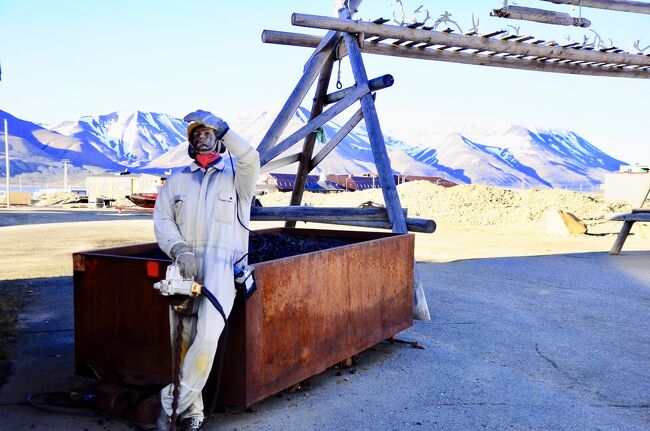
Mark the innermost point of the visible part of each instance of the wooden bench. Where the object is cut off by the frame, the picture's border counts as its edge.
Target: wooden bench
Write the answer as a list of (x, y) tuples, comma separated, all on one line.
[(637, 214)]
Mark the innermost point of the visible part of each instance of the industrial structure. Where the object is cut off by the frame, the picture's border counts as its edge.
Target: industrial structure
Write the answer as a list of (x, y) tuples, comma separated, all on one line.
[(318, 307), (120, 185)]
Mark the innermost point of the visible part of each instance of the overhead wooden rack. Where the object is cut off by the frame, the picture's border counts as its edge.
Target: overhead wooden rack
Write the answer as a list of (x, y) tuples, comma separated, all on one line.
[(491, 49), (347, 37)]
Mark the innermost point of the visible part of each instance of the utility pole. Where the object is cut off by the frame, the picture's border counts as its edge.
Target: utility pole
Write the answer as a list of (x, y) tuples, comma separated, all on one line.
[(65, 174), (7, 161)]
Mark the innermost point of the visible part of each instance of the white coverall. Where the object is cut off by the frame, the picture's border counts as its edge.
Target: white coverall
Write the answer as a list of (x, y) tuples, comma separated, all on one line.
[(205, 209)]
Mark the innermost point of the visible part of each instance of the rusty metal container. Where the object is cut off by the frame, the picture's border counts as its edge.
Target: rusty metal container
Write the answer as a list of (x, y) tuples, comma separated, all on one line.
[(310, 311)]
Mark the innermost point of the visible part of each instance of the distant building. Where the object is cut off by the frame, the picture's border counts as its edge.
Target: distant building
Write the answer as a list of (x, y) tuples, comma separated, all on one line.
[(16, 198), (630, 183), (342, 182), (371, 181), (435, 180), (354, 182), (114, 186), (286, 183)]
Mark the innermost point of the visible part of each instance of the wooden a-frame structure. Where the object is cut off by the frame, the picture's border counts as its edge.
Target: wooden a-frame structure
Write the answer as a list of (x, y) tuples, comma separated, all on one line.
[(320, 65), (347, 37)]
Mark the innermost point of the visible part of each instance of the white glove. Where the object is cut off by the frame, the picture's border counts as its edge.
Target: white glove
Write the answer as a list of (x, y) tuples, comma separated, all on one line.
[(206, 118), (185, 260)]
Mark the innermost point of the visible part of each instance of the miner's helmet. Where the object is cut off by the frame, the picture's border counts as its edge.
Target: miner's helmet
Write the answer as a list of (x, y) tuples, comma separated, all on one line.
[(191, 151)]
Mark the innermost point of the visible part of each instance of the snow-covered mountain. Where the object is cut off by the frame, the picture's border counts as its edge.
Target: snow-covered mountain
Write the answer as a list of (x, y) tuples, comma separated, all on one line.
[(505, 155), (515, 156), (37, 152), (129, 138)]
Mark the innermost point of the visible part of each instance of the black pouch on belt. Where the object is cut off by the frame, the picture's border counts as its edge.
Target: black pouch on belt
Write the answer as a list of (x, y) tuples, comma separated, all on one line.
[(244, 281)]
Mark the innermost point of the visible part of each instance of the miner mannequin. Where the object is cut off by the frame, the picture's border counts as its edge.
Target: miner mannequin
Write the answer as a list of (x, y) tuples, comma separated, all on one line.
[(200, 220)]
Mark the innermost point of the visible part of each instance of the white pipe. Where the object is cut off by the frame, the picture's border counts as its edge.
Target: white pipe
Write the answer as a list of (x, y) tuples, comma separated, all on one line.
[(7, 160)]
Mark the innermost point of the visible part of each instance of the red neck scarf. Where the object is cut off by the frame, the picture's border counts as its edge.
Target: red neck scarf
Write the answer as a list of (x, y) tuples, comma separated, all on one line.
[(206, 160)]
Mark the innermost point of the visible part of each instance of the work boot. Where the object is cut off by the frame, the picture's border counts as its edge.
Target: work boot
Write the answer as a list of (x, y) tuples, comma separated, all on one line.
[(193, 423), (164, 422)]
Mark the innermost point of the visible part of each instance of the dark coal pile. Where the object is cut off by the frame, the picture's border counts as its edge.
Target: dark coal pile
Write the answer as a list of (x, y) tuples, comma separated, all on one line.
[(157, 254), (263, 247), (270, 246)]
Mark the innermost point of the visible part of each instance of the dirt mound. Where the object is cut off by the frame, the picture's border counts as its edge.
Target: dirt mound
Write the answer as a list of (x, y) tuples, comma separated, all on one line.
[(475, 205), (56, 199)]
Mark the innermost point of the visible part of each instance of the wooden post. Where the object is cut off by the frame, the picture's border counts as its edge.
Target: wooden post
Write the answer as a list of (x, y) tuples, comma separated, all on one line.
[(310, 140), (376, 137), (621, 237)]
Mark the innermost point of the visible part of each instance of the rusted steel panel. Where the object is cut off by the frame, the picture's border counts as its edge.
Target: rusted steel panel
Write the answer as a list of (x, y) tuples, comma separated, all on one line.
[(121, 324), (317, 309), (310, 312)]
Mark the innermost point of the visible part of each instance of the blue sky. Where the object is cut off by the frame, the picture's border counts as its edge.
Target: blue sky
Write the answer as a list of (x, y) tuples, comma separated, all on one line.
[(65, 59)]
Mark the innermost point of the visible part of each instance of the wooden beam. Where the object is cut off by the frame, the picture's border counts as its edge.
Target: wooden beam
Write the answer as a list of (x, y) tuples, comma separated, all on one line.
[(314, 124), (278, 163), (376, 84), (465, 42), (338, 137), (412, 224), (617, 5), (310, 139), (376, 137), (539, 15), (295, 99), (320, 214), (365, 217), (589, 68)]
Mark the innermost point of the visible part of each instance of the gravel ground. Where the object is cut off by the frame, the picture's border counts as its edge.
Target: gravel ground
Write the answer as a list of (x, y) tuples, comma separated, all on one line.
[(529, 331)]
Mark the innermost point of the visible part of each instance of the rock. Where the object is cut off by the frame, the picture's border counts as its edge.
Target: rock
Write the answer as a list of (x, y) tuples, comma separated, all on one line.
[(560, 222)]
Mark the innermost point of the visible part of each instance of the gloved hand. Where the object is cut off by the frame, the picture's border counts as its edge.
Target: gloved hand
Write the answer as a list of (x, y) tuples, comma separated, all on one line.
[(206, 118), (185, 260)]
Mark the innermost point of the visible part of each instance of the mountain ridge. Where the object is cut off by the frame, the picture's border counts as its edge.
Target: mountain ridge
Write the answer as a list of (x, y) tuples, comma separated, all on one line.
[(500, 155)]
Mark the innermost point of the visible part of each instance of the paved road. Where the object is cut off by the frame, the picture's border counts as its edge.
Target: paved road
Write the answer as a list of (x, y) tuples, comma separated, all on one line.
[(558, 342), (39, 215)]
